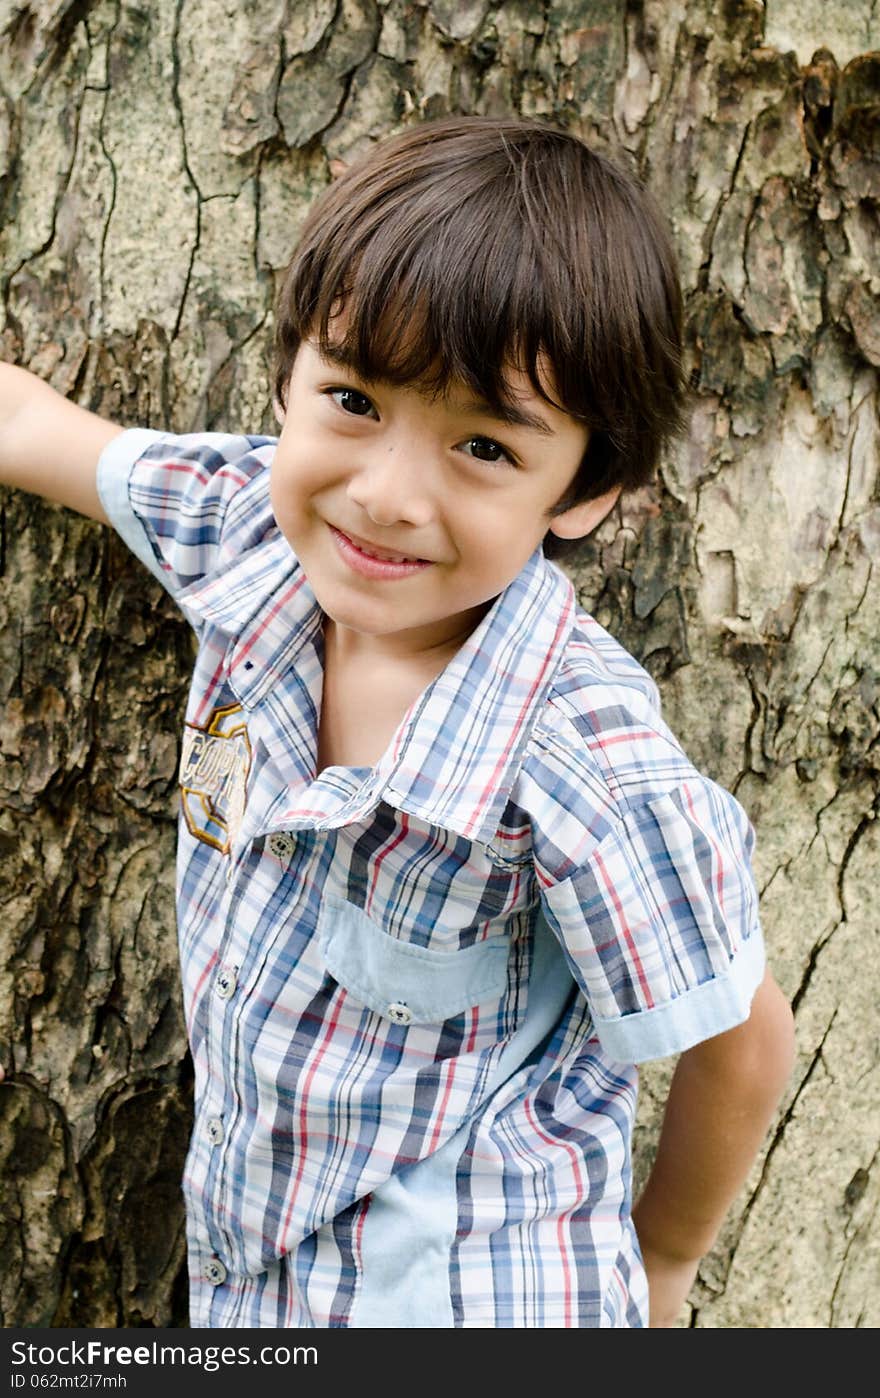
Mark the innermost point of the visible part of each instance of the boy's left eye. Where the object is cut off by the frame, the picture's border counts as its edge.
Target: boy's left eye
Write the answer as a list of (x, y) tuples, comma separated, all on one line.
[(485, 449), (358, 404)]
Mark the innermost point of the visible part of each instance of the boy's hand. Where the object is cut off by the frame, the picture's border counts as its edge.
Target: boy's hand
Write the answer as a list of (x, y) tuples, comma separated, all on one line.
[(669, 1284), (48, 445)]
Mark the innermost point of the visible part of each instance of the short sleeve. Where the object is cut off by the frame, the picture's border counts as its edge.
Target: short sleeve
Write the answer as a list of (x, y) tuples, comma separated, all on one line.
[(186, 504), (660, 923)]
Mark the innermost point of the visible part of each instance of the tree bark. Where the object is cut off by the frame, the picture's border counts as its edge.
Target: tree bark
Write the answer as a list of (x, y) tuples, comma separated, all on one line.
[(155, 164)]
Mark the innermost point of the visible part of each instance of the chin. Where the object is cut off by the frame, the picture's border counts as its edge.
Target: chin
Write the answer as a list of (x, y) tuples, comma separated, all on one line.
[(362, 619)]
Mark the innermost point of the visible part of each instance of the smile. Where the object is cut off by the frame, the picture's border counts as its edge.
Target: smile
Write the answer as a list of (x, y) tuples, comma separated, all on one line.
[(373, 562)]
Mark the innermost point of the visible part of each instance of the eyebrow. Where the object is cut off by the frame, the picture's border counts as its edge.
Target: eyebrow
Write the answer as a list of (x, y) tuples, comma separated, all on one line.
[(508, 413)]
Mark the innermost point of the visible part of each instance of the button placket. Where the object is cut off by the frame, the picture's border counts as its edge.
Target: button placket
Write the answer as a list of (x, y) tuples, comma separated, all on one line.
[(213, 1129)]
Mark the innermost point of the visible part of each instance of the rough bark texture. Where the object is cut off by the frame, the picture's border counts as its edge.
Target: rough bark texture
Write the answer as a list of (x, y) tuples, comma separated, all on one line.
[(156, 162)]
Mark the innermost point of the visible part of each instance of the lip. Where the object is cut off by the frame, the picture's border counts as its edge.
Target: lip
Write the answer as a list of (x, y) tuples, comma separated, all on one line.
[(354, 551)]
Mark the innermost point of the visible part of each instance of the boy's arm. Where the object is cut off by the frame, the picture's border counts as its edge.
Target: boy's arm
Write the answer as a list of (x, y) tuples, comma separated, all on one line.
[(723, 1096), (48, 445)]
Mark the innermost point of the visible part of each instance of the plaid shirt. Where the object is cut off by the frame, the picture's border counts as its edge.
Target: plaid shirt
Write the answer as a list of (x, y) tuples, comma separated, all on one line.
[(415, 993)]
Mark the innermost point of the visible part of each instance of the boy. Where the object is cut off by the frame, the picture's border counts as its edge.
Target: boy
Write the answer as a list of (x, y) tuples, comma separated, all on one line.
[(444, 875)]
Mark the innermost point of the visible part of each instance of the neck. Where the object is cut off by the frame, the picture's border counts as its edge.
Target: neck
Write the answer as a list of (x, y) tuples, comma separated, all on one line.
[(429, 649)]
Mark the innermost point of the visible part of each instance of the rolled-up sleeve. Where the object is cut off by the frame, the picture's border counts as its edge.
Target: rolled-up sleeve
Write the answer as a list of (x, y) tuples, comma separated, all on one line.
[(175, 500), (660, 922)]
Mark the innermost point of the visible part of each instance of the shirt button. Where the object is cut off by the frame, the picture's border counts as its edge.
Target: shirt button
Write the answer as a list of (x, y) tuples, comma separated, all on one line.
[(401, 1014), (281, 845), (214, 1130), (226, 982), (214, 1271)]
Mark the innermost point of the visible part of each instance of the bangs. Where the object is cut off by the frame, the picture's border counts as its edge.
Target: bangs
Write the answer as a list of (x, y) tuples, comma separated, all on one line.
[(428, 300), (411, 338)]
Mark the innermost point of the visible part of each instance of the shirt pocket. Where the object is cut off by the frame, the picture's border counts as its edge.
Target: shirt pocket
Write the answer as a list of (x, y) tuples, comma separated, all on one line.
[(408, 984)]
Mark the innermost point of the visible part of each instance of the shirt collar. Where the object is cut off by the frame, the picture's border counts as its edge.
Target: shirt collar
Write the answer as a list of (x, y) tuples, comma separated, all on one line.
[(455, 757), (263, 602)]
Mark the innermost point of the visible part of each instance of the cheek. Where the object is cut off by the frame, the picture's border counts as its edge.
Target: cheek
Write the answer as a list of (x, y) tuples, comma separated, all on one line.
[(289, 481), (284, 496), (509, 529), (277, 483)]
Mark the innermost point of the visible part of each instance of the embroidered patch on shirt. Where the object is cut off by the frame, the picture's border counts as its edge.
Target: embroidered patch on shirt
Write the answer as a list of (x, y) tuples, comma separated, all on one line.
[(214, 769)]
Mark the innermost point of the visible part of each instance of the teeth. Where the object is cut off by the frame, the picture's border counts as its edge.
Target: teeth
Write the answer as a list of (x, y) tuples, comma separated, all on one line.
[(388, 557), (385, 557)]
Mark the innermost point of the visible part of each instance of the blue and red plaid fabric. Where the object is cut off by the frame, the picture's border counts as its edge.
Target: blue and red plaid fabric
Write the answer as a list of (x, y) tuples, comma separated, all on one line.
[(416, 993)]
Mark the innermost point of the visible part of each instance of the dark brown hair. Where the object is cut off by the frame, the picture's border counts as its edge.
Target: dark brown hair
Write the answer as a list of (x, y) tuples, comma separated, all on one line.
[(465, 246)]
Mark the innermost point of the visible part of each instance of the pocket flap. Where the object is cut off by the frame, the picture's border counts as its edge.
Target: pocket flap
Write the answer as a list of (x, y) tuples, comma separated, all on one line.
[(406, 983)]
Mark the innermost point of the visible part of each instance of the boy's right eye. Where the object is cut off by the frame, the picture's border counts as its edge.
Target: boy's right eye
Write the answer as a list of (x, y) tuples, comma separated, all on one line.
[(358, 404)]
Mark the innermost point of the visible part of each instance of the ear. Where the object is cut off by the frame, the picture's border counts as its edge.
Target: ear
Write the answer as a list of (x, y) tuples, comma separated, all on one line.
[(581, 519), (278, 409)]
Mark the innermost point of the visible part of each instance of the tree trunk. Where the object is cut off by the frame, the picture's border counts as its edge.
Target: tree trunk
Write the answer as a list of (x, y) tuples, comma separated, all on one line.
[(158, 162)]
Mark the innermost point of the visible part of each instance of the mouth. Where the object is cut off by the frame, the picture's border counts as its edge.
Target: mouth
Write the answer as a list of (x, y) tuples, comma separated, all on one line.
[(370, 550), (370, 561)]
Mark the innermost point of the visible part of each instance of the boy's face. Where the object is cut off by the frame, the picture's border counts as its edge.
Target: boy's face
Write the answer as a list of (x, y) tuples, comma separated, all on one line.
[(410, 515)]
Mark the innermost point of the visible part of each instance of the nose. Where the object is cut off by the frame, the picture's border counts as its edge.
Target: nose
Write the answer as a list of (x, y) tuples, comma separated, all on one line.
[(392, 486)]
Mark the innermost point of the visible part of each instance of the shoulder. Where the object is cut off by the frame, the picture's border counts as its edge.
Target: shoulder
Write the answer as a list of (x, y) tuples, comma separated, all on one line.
[(188, 503), (599, 749), (212, 466), (603, 712), (202, 453), (191, 473)]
